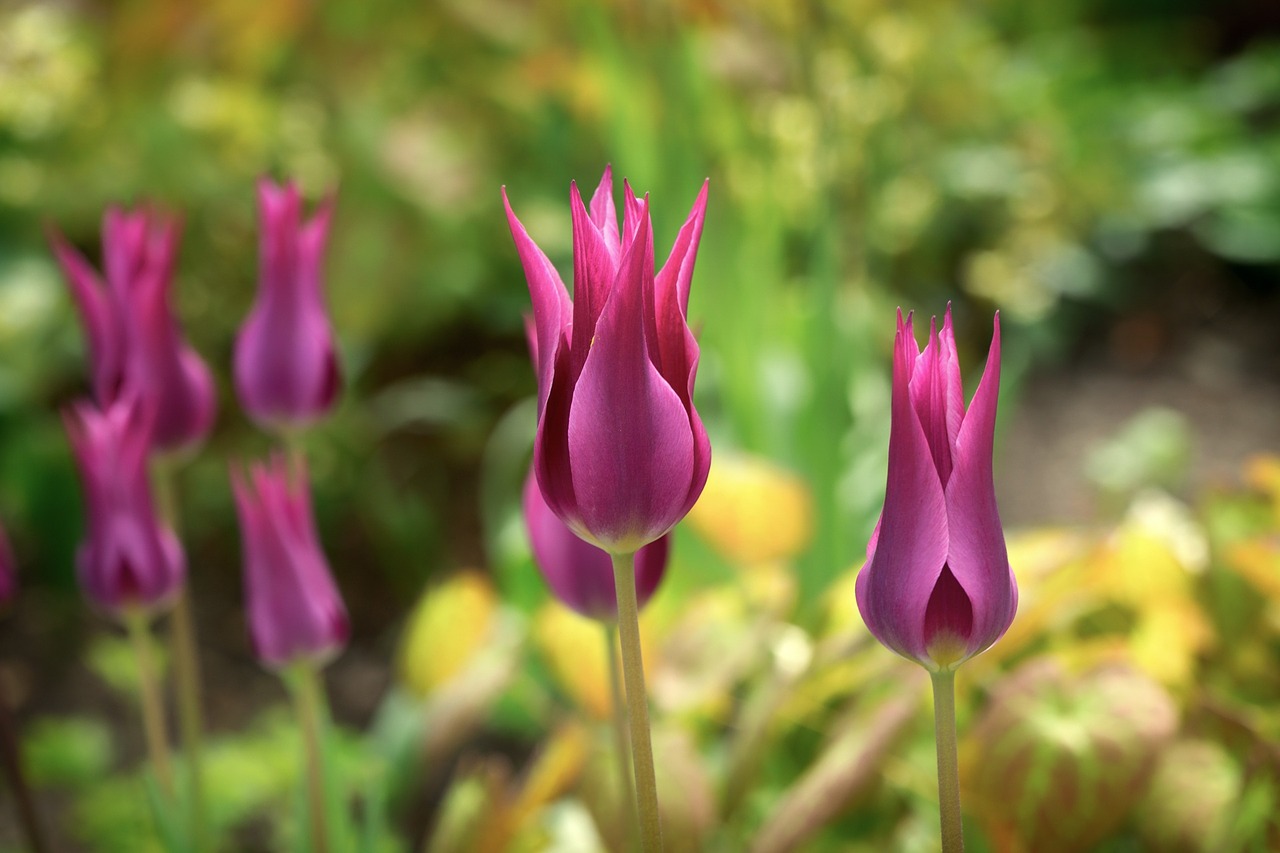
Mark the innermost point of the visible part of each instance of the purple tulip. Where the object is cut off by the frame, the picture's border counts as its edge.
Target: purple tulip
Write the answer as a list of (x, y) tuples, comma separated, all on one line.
[(937, 587), (129, 560), (135, 344), (8, 570), (295, 611), (621, 454), (285, 364), (579, 573)]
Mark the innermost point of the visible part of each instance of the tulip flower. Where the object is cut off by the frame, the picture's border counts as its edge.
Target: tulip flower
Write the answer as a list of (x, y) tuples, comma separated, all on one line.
[(129, 561), (295, 611), (135, 344), (620, 454), (579, 573), (937, 587), (8, 570), (285, 362)]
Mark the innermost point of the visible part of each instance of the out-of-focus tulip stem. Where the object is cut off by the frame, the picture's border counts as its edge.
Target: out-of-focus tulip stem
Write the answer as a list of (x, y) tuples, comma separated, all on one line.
[(186, 658), (11, 757), (303, 680), (944, 715), (149, 698), (627, 786), (637, 703)]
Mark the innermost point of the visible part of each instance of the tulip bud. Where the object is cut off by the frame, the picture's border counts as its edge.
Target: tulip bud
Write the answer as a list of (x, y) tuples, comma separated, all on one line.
[(285, 362), (937, 587), (8, 570), (135, 344), (129, 560), (295, 611), (579, 573), (620, 454)]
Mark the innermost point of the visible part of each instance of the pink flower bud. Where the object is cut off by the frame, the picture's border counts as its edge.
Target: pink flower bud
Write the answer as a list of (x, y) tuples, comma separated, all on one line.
[(285, 363), (621, 454), (295, 611), (8, 570), (937, 587), (135, 343), (579, 573), (129, 560)]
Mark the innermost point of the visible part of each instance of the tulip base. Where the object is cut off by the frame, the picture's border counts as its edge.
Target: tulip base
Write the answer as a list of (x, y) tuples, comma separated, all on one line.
[(624, 578), (944, 716)]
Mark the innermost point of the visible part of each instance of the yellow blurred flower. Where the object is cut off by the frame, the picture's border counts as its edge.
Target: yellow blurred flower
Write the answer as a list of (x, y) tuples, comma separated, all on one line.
[(449, 625), (573, 647), (753, 511)]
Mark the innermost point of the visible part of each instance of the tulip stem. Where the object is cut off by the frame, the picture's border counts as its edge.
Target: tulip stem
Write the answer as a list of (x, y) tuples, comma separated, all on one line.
[(16, 777), (944, 716), (624, 578), (149, 698), (186, 659), (622, 747), (308, 697)]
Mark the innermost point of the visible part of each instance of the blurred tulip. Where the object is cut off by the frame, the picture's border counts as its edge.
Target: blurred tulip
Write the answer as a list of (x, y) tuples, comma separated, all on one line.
[(129, 561), (135, 343), (579, 573), (295, 611), (285, 362), (937, 587), (621, 454), (8, 570)]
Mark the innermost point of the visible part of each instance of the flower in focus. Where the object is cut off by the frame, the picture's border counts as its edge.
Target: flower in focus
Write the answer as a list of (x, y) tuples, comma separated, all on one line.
[(8, 570), (295, 611), (135, 344), (129, 560), (285, 362), (621, 454), (579, 573), (937, 587)]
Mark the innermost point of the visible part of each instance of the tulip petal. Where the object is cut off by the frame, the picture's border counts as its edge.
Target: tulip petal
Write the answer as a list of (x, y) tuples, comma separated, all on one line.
[(929, 396), (594, 271), (950, 368), (977, 555), (604, 215), (552, 310), (631, 449), (99, 316), (894, 587)]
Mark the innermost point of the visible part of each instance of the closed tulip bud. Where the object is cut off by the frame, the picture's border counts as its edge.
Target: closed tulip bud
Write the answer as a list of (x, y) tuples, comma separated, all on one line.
[(129, 561), (8, 570), (135, 344), (579, 573), (285, 362), (937, 587), (295, 611), (620, 454)]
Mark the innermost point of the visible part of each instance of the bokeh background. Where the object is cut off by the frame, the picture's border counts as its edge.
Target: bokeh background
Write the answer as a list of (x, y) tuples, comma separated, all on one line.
[(1105, 173)]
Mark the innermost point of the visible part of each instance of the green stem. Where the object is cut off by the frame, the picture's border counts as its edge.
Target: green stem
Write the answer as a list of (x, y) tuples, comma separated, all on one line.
[(944, 715), (149, 698), (11, 758), (186, 659), (622, 749), (308, 697), (624, 578)]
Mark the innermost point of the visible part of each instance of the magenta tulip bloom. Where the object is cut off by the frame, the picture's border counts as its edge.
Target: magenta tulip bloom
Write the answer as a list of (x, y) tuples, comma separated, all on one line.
[(129, 560), (621, 454), (135, 344), (937, 587), (285, 363), (579, 573), (295, 611), (8, 570)]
